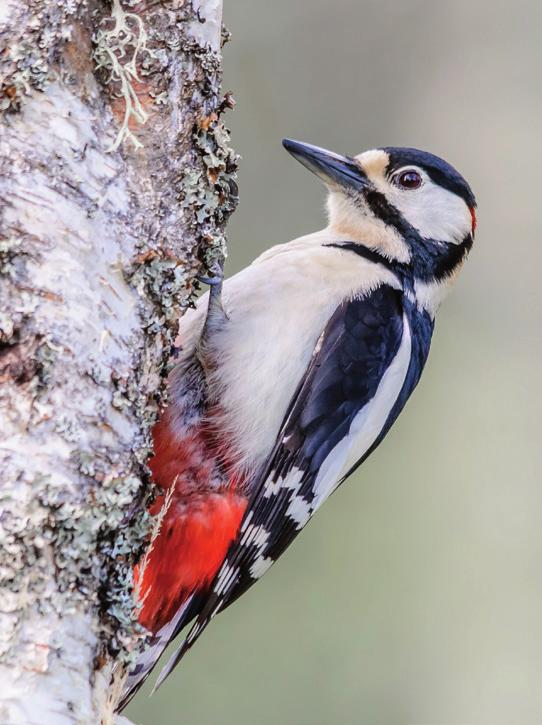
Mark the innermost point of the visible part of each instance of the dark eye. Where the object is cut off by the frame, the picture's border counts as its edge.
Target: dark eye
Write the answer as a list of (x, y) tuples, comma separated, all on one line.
[(408, 179)]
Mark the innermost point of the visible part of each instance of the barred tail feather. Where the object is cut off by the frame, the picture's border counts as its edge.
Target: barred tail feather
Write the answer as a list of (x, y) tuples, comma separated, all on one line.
[(179, 654), (150, 656)]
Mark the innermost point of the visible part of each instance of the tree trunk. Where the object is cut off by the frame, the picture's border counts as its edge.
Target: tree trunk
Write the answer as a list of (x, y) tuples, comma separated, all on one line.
[(116, 180)]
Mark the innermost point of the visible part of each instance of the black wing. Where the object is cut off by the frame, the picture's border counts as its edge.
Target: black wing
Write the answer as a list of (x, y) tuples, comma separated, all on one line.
[(357, 346)]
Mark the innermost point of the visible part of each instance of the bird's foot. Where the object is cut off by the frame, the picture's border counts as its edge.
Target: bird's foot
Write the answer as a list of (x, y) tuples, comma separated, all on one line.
[(215, 278), (216, 315), (211, 281)]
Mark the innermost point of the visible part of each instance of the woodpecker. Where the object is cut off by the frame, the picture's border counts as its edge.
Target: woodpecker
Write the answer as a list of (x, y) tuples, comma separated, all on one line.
[(289, 375)]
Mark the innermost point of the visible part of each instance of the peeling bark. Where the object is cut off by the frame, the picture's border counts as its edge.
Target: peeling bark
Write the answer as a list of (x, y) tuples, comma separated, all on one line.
[(116, 181)]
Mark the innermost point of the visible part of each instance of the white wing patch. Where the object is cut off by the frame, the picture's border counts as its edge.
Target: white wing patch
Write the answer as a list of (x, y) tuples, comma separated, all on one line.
[(367, 425), (364, 430)]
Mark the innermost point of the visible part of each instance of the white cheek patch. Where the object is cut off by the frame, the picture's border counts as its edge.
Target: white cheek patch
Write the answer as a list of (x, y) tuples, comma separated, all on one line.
[(433, 211)]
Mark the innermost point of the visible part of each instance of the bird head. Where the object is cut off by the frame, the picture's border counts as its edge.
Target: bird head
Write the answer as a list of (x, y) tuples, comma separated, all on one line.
[(408, 205)]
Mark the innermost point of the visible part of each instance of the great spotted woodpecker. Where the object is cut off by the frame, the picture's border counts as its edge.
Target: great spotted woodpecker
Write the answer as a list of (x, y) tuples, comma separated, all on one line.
[(291, 376)]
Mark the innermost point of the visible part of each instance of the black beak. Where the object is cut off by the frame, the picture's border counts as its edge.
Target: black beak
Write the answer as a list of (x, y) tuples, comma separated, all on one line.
[(333, 169)]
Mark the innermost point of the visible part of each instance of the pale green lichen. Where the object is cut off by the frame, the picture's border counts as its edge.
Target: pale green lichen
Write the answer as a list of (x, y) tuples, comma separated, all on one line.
[(30, 71), (119, 50), (163, 281), (27, 61), (10, 248), (211, 193), (94, 546)]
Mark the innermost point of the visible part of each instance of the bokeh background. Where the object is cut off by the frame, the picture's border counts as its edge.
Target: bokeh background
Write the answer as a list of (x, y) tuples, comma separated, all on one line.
[(415, 596)]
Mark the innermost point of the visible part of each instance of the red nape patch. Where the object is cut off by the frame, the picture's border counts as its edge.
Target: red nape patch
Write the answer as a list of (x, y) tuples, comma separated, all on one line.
[(191, 545), (473, 217)]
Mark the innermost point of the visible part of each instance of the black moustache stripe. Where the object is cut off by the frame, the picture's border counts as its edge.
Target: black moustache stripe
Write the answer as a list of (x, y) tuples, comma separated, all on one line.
[(431, 259)]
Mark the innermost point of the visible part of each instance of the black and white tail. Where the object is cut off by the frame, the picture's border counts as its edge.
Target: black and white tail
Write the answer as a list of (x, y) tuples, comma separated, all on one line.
[(151, 654)]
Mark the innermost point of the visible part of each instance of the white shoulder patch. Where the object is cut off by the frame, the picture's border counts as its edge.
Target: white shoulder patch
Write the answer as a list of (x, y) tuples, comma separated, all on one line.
[(277, 309), (367, 425)]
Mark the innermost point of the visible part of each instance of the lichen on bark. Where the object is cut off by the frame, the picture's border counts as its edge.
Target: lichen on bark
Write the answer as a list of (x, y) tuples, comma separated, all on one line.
[(101, 240)]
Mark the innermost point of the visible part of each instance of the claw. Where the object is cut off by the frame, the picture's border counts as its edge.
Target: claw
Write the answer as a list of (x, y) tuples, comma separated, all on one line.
[(216, 316), (211, 281)]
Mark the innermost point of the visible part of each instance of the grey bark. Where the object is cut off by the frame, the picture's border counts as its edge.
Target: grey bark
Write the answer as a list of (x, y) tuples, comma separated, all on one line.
[(116, 181)]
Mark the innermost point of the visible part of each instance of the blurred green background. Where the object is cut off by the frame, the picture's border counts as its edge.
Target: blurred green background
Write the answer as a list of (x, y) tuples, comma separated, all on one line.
[(415, 596)]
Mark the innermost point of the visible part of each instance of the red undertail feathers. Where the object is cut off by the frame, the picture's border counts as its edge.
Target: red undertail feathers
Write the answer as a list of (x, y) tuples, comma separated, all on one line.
[(200, 520)]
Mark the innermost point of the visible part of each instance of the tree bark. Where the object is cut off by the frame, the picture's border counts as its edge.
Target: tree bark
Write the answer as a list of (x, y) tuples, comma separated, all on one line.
[(116, 181)]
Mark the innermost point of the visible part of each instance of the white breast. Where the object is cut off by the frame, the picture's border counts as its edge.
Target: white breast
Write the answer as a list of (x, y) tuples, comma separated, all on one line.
[(277, 309)]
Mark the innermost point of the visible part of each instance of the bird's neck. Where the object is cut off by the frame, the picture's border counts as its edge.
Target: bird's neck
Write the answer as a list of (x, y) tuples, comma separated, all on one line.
[(426, 277), (346, 221)]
